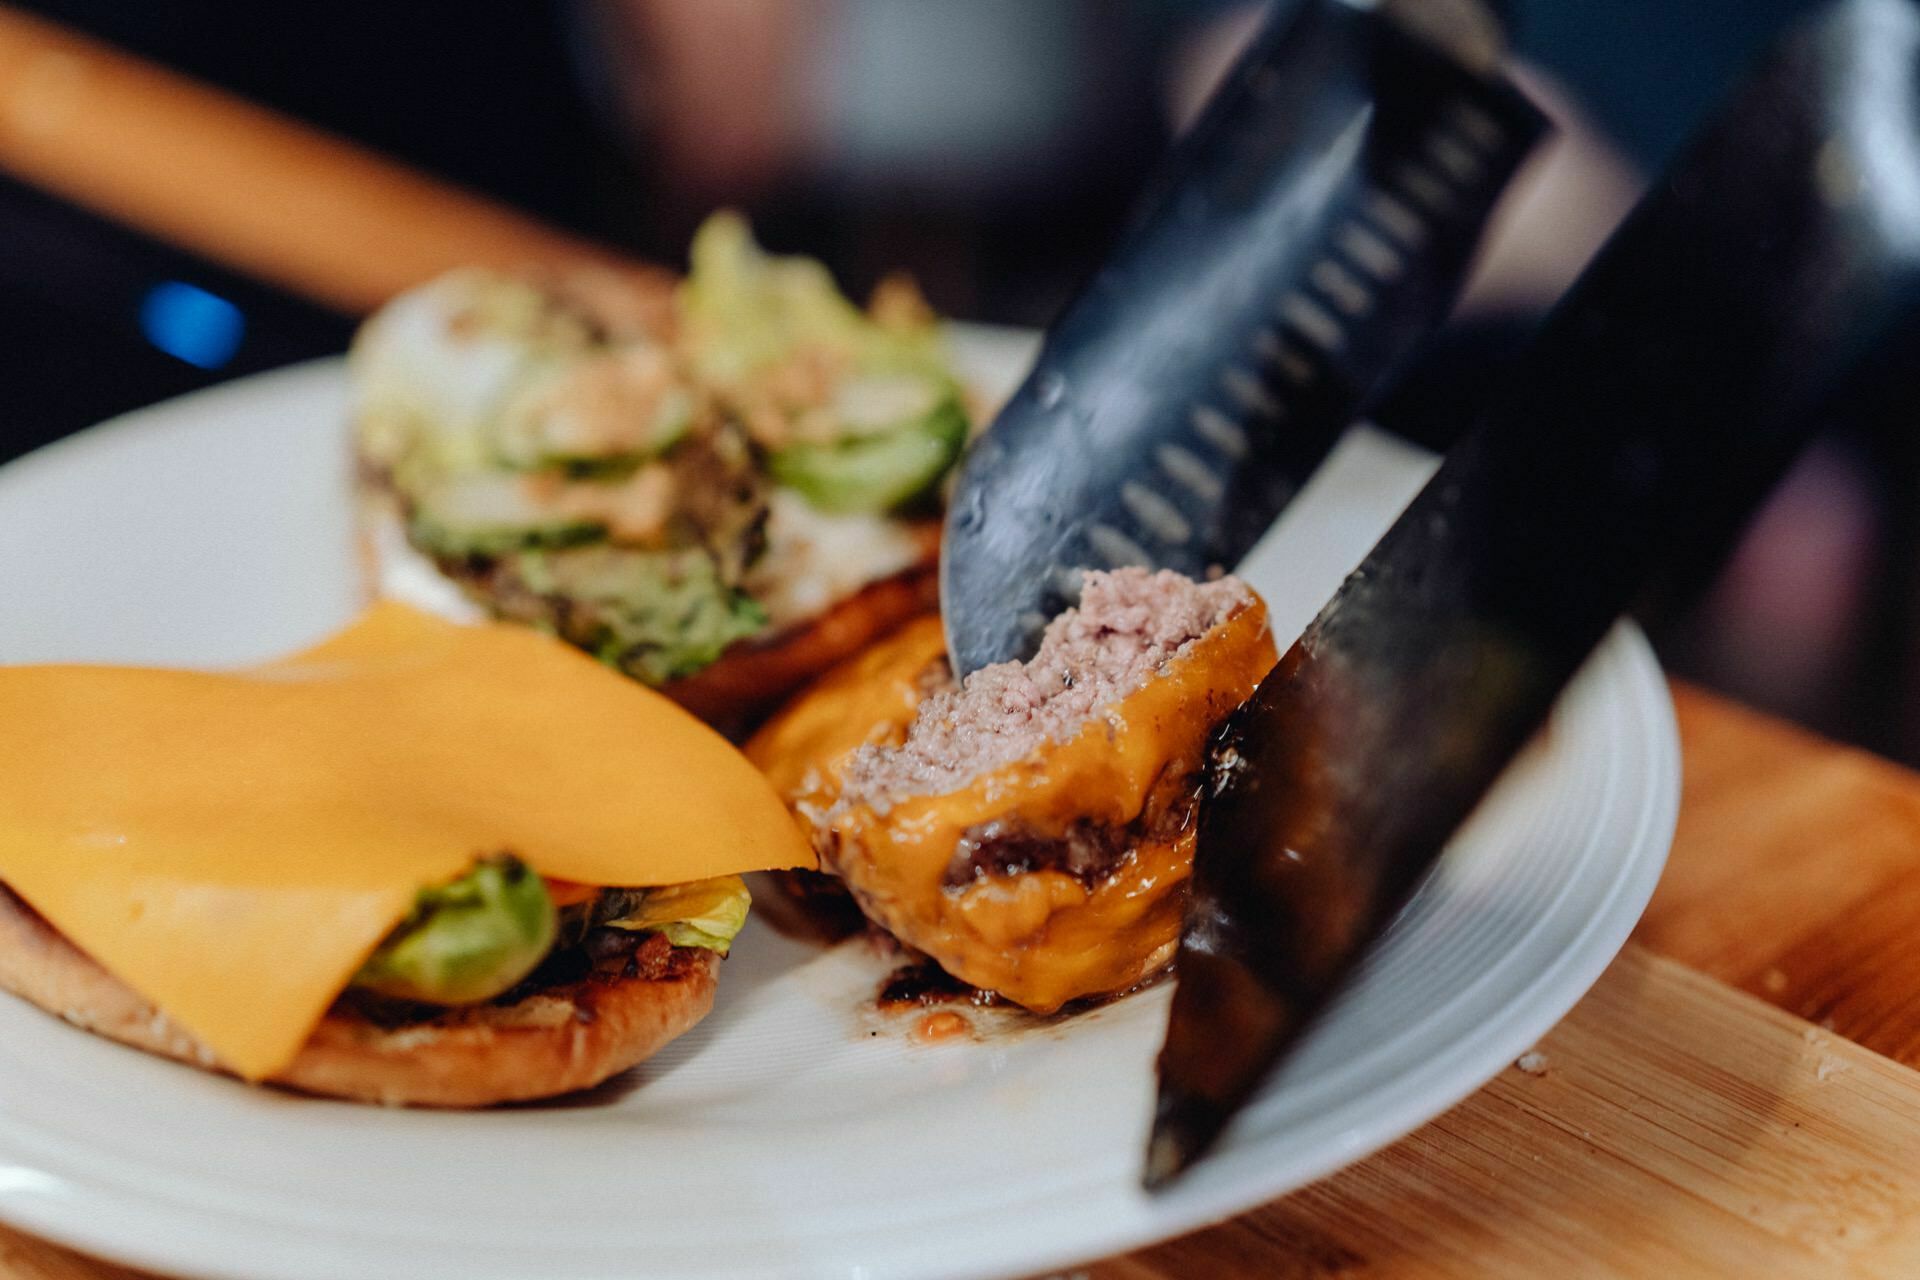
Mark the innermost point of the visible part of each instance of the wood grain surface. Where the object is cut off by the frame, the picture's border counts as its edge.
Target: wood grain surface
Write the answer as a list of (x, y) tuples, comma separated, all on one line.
[(1796, 874), (1673, 1128), (1681, 1124)]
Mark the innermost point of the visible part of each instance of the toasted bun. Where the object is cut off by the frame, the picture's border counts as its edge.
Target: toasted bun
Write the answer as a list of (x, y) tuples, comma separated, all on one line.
[(749, 679), (754, 675), (556, 1040)]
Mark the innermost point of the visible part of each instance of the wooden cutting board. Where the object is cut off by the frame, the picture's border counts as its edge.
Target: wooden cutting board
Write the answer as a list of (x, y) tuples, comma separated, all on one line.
[(1719, 1105), (1669, 1127)]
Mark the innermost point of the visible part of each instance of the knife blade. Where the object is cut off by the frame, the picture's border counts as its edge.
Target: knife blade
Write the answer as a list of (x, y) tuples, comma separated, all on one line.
[(1313, 225), (1769, 282)]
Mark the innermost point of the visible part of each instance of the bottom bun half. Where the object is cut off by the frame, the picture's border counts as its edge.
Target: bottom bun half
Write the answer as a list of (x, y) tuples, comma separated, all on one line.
[(555, 1039)]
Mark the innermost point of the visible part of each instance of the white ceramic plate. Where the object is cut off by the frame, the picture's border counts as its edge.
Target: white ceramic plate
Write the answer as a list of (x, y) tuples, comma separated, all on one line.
[(795, 1132)]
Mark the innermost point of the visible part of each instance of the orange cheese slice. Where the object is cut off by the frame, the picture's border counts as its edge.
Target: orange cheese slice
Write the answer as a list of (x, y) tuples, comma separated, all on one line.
[(233, 845)]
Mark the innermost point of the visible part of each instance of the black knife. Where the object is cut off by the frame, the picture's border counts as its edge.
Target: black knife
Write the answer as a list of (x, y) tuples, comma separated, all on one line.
[(1769, 283), (1309, 230)]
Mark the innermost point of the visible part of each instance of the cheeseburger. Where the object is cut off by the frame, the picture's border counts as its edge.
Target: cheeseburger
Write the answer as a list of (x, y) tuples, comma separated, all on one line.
[(421, 863), (718, 490)]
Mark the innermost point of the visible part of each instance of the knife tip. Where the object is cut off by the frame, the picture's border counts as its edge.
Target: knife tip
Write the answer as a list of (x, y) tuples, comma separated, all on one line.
[(1182, 1131), (1166, 1158)]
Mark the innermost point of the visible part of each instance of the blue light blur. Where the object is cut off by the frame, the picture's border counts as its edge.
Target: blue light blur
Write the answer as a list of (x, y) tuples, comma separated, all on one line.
[(190, 324)]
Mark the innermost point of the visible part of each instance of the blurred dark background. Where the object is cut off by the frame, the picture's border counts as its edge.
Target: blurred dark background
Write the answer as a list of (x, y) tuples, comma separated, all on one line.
[(991, 148)]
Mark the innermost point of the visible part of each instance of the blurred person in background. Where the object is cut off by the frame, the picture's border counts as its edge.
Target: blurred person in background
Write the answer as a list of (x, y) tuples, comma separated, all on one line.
[(991, 148)]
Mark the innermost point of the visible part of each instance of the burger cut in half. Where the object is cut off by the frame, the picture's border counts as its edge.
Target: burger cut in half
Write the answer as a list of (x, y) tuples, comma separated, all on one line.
[(422, 863), (719, 489), (1031, 830)]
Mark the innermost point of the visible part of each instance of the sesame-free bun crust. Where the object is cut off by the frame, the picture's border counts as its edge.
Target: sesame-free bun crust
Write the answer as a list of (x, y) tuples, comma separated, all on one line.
[(557, 1040)]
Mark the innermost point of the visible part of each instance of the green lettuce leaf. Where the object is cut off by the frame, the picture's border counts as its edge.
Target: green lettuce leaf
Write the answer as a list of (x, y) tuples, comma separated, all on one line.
[(704, 913)]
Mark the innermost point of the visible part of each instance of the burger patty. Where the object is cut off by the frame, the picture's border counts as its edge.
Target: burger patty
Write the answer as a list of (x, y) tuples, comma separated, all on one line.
[(1088, 851), (605, 958), (1031, 829), (1127, 626)]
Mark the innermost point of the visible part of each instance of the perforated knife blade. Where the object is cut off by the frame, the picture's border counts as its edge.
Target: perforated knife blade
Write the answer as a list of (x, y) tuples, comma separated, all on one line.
[(1308, 231), (1768, 284)]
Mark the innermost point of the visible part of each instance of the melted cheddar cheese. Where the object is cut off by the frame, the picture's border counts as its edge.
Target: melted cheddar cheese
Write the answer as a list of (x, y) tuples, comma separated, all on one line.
[(1039, 937), (233, 845), (868, 700)]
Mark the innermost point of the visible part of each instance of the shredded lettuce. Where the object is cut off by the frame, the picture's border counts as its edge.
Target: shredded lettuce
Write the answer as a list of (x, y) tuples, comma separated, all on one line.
[(855, 409), (657, 615), (480, 369), (744, 308), (704, 913)]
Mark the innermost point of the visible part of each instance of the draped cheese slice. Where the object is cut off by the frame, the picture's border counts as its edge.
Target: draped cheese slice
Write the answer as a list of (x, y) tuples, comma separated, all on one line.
[(233, 845)]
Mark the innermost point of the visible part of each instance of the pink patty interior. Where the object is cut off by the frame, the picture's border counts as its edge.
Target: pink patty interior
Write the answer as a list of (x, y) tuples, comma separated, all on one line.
[(1128, 624)]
